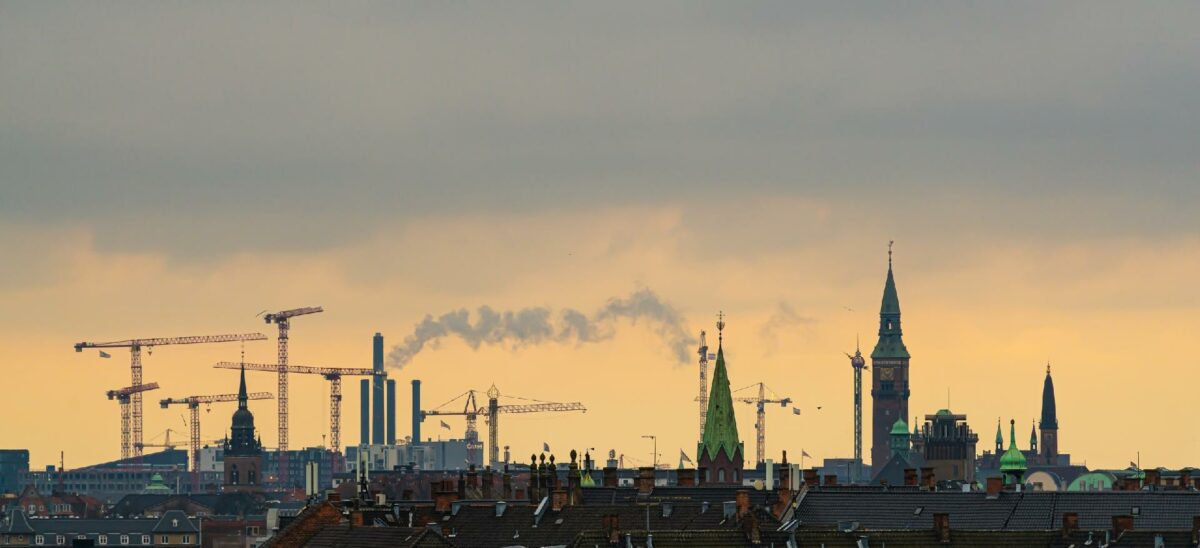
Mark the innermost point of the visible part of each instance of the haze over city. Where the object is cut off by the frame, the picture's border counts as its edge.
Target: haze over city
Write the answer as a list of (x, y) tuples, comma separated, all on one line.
[(175, 169)]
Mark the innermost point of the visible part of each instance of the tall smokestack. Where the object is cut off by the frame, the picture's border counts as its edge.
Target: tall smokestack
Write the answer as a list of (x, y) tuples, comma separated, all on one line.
[(391, 412), (365, 415), (416, 411), (377, 420)]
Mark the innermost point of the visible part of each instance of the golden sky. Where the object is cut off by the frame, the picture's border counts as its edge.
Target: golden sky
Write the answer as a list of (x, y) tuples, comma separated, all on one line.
[(173, 169)]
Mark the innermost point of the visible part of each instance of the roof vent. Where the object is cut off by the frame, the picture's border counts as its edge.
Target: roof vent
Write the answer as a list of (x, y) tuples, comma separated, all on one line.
[(667, 508), (501, 506), (847, 526), (454, 506), (704, 507)]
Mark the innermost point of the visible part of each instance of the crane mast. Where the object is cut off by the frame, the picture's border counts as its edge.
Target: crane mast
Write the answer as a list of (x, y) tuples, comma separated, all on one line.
[(130, 445), (283, 320), (124, 397), (760, 424)]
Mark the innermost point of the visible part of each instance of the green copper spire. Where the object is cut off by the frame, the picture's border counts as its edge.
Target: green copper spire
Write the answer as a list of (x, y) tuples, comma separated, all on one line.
[(1013, 461), (891, 344), (899, 438), (999, 437), (720, 428)]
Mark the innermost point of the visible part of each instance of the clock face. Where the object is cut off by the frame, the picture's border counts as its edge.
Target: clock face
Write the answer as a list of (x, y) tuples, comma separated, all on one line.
[(886, 373)]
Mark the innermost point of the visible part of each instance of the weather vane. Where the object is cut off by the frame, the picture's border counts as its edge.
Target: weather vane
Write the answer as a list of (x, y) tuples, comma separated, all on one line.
[(890, 242), (720, 324)]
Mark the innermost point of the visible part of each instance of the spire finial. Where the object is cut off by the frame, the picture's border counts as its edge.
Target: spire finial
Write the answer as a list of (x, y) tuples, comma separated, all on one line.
[(1047, 367), (890, 242), (720, 325)]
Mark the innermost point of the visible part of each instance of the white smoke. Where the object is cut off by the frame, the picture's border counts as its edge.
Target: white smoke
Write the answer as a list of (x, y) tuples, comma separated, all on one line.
[(532, 326)]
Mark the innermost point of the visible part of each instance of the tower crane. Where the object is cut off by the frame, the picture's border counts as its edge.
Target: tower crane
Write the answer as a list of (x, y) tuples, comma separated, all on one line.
[(193, 403), (129, 446), (332, 374), (166, 444), (491, 414), (283, 320), (760, 425), (123, 397)]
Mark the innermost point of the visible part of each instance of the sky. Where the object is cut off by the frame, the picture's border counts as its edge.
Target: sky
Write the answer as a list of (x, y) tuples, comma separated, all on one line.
[(173, 169)]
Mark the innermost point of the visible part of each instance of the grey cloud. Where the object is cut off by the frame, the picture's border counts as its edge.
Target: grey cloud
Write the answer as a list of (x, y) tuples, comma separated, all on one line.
[(784, 321)]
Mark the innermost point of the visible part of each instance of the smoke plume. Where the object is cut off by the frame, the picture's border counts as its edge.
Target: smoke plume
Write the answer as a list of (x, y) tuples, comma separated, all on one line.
[(533, 326)]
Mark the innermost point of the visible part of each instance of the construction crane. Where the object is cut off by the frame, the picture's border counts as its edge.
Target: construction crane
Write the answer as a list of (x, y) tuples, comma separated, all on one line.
[(703, 351), (129, 446), (283, 320), (332, 374), (123, 397), (193, 403), (760, 425), (859, 364), (491, 414), (166, 444)]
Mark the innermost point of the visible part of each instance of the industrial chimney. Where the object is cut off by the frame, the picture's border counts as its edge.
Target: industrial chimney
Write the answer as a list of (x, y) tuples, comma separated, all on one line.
[(365, 414), (391, 412), (416, 411), (377, 391)]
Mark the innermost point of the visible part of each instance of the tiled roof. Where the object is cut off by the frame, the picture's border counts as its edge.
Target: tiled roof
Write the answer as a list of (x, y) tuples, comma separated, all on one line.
[(381, 537), (174, 521)]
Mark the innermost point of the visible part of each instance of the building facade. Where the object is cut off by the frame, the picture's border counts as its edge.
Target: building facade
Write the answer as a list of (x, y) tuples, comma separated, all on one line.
[(243, 452), (948, 446)]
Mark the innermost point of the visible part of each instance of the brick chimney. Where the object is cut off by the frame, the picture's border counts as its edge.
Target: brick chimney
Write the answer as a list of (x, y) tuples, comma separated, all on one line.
[(910, 477), (1070, 523), (356, 518), (785, 498), (686, 477), (1152, 479), (995, 485), (506, 484), (558, 500), (1195, 530), (941, 527), (1130, 484), (830, 479), (743, 502), (489, 484), (645, 481), (1185, 478), (1120, 524), (750, 528), (811, 479), (610, 476), (612, 527), (443, 500), (785, 472), (928, 479), (701, 476)]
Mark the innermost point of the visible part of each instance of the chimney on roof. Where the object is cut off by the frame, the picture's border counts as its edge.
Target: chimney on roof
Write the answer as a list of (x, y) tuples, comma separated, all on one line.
[(1185, 479), (701, 475), (1195, 530), (1152, 479), (612, 527), (995, 484), (941, 527), (686, 477), (645, 481), (811, 479), (558, 500), (610, 476), (443, 500), (750, 527), (910, 477), (506, 484), (928, 479), (1130, 484), (785, 498), (785, 476), (743, 502), (1070, 523), (1120, 524)]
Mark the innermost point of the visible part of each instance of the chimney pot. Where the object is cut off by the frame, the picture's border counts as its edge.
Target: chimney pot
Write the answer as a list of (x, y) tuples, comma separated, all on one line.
[(1070, 523), (743, 502), (995, 484), (941, 526)]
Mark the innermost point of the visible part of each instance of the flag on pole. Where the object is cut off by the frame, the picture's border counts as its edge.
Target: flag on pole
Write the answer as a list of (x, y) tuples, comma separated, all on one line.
[(683, 457), (712, 356), (444, 425), (805, 454), (545, 447), (104, 354), (795, 410)]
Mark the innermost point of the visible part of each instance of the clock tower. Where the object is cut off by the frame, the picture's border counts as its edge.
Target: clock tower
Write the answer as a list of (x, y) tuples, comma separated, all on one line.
[(889, 373)]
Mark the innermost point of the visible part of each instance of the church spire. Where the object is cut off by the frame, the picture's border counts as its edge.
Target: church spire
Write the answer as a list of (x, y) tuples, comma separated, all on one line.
[(891, 343), (720, 427), (242, 397), (1049, 412)]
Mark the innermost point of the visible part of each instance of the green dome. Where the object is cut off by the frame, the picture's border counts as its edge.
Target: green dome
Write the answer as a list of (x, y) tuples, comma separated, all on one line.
[(944, 413), (1013, 460), (900, 428)]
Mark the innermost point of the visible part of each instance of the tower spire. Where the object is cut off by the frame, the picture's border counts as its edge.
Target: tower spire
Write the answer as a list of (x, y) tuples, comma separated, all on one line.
[(242, 397)]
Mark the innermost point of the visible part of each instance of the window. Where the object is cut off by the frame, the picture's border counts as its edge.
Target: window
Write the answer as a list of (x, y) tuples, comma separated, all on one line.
[(39, 540), (233, 474), (124, 539), (164, 539), (721, 475), (60, 540), (187, 539), (32, 508), (146, 539), (252, 530), (102, 540)]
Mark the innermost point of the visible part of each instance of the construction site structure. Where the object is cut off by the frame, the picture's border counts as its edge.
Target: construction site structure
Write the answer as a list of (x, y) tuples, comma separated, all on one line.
[(167, 444), (283, 319), (703, 351), (123, 397), (760, 425), (858, 363), (193, 404), (491, 414), (332, 374), (129, 444)]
